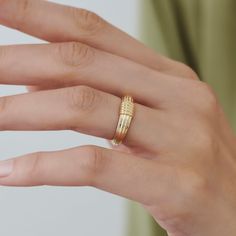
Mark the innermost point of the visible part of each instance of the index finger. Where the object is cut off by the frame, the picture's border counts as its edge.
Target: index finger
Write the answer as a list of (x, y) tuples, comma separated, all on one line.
[(58, 23)]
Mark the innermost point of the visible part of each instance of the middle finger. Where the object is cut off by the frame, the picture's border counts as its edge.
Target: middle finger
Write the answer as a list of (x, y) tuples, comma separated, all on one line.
[(70, 64)]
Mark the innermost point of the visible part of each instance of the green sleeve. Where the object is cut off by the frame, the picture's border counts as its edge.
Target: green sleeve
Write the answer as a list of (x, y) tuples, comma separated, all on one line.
[(202, 34)]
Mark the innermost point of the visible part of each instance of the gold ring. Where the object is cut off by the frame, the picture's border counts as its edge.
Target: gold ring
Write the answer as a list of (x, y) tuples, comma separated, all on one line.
[(125, 118)]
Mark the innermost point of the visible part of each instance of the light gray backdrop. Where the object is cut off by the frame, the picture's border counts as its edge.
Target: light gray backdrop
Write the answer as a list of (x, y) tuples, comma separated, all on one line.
[(54, 210)]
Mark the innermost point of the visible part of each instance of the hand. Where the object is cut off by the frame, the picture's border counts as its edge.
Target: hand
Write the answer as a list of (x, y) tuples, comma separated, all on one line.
[(178, 159)]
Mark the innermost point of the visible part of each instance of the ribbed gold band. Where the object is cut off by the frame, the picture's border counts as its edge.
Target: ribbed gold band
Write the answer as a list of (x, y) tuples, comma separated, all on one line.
[(126, 116)]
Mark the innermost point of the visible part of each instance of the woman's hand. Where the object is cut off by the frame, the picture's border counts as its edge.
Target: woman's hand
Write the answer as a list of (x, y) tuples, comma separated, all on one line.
[(179, 157)]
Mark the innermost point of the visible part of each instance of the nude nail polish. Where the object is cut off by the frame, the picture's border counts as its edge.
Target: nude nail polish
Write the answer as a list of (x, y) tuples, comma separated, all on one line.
[(6, 168)]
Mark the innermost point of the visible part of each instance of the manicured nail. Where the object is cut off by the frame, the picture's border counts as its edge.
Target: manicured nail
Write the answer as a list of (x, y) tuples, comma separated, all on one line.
[(6, 168)]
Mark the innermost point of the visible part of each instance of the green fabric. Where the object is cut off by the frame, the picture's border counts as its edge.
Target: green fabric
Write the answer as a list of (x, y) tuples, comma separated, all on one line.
[(201, 33)]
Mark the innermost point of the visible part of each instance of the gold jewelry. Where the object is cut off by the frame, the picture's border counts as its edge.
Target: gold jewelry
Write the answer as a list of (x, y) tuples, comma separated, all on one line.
[(126, 116)]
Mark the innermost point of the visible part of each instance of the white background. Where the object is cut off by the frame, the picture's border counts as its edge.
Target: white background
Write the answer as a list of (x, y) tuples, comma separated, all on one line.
[(60, 211)]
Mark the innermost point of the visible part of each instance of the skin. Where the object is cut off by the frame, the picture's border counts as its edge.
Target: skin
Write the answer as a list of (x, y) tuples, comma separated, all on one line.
[(179, 157)]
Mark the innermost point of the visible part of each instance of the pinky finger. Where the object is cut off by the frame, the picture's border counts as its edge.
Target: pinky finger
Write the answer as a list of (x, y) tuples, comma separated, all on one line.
[(116, 172)]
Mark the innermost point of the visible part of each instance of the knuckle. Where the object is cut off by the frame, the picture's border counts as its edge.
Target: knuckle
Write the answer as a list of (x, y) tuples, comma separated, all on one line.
[(6, 53), (95, 163), (194, 184), (23, 8), (82, 98), (34, 168), (211, 102), (4, 104), (207, 143), (186, 71), (190, 73), (75, 54), (206, 100), (87, 22), (3, 53)]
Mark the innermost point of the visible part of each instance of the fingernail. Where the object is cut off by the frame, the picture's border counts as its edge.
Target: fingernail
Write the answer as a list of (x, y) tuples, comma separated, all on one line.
[(6, 168)]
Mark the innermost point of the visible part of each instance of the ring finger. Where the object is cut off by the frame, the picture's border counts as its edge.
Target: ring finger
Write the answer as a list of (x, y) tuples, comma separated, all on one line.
[(76, 108)]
